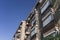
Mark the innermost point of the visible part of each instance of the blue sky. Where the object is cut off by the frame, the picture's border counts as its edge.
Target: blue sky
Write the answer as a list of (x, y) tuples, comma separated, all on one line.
[(11, 14)]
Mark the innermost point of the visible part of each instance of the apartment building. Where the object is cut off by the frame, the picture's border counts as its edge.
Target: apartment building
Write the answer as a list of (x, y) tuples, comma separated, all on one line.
[(43, 21), (22, 32)]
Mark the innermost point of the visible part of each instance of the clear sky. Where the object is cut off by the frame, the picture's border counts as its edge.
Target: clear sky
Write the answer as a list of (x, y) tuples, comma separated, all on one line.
[(11, 14)]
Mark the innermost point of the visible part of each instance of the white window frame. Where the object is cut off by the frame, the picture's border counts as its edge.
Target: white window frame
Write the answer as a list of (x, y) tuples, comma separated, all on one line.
[(45, 6)]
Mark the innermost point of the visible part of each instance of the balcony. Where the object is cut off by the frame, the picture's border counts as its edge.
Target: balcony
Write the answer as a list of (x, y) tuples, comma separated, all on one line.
[(33, 32), (50, 32), (33, 22), (48, 19), (57, 37), (53, 36), (18, 35), (45, 6)]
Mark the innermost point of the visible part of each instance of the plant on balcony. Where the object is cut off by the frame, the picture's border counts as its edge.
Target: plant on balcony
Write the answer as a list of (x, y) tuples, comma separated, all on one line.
[(57, 37)]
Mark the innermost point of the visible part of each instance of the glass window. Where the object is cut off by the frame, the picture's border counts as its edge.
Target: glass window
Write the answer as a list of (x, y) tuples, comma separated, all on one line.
[(33, 32), (45, 6), (48, 20), (33, 22)]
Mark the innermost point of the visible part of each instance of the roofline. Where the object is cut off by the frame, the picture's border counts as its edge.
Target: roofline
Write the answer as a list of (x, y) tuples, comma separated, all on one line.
[(28, 15), (17, 29), (32, 9)]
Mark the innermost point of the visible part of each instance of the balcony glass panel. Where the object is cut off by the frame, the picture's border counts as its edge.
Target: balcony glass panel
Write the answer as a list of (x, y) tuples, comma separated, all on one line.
[(45, 6), (33, 22), (48, 20), (33, 32)]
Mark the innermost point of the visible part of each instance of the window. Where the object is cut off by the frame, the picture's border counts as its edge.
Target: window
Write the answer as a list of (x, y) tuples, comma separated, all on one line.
[(45, 6), (48, 20), (33, 22), (33, 32)]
